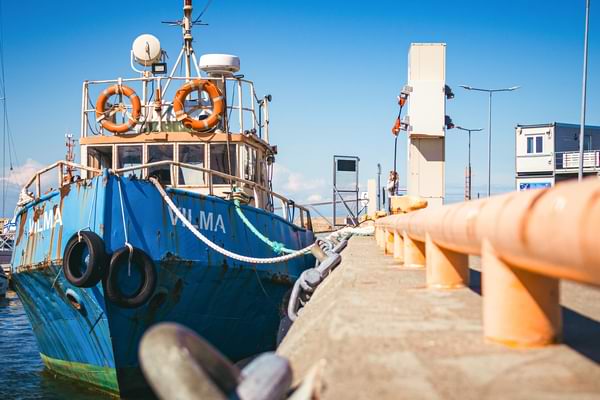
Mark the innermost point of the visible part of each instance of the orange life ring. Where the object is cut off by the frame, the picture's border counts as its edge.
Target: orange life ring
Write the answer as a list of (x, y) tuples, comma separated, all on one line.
[(101, 109), (216, 98)]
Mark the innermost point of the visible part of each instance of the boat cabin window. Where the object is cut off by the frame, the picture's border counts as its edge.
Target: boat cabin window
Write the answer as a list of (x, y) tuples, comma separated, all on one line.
[(191, 154), (249, 163), (130, 156), (156, 153), (219, 161), (99, 157)]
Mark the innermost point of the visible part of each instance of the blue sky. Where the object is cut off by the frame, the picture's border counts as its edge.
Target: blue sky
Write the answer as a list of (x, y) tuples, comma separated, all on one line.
[(334, 69)]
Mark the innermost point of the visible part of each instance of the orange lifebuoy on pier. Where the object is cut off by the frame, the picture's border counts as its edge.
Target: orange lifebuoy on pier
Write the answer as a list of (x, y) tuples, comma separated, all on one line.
[(101, 111), (216, 98)]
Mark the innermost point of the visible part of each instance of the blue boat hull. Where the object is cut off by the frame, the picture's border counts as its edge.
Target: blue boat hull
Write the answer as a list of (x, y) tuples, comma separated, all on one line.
[(236, 306)]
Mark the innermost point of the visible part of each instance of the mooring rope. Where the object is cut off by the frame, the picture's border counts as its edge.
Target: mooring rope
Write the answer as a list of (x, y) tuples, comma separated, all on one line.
[(277, 247), (216, 247), (127, 244)]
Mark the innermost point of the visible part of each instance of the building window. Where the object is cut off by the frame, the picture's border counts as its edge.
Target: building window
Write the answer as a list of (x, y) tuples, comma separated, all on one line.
[(130, 156), (160, 152), (539, 144), (220, 161), (587, 142), (191, 154), (535, 144)]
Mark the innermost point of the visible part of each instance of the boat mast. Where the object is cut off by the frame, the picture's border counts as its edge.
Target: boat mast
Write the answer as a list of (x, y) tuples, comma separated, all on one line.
[(187, 36)]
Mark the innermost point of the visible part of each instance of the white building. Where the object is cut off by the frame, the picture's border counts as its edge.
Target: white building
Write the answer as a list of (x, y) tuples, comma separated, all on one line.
[(547, 154)]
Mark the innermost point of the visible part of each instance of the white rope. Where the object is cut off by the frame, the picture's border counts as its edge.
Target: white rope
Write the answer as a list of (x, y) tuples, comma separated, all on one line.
[(217, 248), (127, 244)]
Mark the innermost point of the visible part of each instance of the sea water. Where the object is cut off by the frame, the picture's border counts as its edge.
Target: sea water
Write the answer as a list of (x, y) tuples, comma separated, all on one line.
[(22, 373)]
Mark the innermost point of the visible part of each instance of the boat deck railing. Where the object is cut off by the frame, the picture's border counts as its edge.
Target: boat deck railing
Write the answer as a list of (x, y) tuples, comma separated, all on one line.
[(7, 241), (528, 242), (241, 111), (290, 211)]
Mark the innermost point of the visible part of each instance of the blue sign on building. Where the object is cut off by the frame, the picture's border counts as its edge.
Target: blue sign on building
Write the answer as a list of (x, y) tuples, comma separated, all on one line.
[(534, 185)]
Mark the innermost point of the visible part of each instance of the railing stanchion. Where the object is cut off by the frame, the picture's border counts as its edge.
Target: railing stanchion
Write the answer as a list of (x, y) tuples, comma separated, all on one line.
[(389, 242), (414, 252), (519, 307), (398, 247), (38, 186), (446, 269)]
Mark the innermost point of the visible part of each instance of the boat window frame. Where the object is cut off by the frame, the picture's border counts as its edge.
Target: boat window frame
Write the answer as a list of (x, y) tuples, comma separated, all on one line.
[(146, 155), (116, 161), (236, 171), (243, 162), (205, 175), (113, 154)]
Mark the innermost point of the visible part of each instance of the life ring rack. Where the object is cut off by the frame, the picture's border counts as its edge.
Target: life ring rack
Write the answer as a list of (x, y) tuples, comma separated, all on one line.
[(216, 98), (101, 110)]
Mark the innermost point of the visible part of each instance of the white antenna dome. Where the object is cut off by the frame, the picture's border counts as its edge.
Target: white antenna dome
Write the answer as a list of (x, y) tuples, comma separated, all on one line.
[(225, 64), (146, 49)]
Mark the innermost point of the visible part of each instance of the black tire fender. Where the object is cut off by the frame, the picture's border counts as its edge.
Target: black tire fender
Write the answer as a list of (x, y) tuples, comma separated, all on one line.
[(72, 259), (145, 265)]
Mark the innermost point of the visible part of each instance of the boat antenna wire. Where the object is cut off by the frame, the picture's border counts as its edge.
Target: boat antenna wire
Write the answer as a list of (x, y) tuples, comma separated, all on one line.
[(8, 145)]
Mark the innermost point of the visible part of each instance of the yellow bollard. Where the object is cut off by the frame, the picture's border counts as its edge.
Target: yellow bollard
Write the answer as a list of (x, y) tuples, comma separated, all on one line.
[(389, 242), (446, 269), (414, 252), (398, 247), (520, 308)]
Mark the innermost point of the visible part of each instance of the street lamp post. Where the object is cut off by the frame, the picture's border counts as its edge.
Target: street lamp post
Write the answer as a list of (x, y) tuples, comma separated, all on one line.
[(469, 164), (490, 92), (583, 91)]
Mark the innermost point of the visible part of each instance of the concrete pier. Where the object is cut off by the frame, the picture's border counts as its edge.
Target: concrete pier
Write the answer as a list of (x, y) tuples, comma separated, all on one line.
[(384, 335)]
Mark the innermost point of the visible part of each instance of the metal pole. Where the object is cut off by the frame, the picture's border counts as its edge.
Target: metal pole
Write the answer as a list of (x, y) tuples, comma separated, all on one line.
[(378, 186), (395, 151), (469, 166), (490, 147), (583, 90)]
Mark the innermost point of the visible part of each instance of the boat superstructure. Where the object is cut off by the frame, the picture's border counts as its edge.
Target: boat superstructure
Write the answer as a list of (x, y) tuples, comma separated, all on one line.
[(170, 216)]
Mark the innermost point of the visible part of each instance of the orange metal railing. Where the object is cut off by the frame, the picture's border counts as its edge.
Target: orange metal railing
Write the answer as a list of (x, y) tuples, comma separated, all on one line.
[(527, 241)]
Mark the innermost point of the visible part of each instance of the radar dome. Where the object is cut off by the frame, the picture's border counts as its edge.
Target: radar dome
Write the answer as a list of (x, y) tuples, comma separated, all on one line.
[(219, 63), (146, 49)]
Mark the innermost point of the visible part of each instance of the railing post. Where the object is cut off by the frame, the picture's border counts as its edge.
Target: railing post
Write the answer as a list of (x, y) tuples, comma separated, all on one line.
[(520, 308), (284, 208), (398, 247), (378, 233), (38, 186), (414, 252), (382, 236), (389, 242), (446, 269)]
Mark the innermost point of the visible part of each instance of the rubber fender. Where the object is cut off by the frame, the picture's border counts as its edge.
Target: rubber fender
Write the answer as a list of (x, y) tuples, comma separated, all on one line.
[(95, 264), (144, 264)]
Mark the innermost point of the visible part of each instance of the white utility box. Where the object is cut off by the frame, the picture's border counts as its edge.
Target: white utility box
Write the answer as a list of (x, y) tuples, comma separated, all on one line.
[(427, 78)]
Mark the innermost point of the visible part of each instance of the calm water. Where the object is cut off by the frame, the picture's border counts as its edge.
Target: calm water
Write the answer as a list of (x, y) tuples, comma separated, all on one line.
[(22, 374)]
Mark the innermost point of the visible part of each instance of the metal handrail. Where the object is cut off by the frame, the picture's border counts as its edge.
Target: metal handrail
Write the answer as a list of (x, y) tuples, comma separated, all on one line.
[(591, 159), (148, 103), (6, 241), (528, 241), (287, 204), (210, 173), (61, 174)]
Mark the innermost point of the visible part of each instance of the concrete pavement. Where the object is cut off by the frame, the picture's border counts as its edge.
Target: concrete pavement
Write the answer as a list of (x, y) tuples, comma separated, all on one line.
[(384, 335)]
